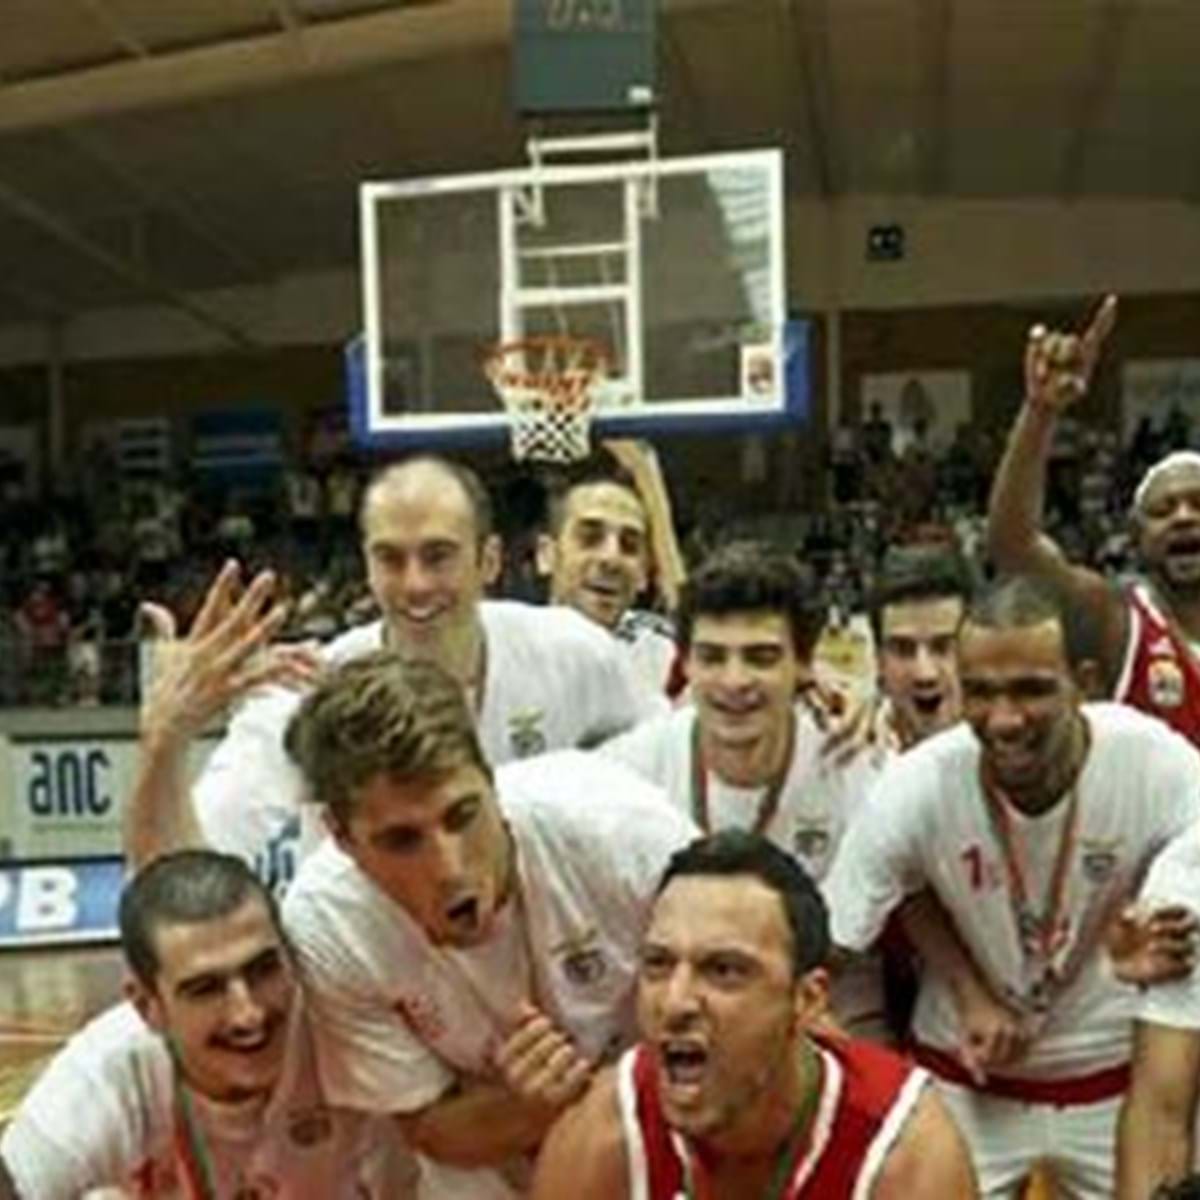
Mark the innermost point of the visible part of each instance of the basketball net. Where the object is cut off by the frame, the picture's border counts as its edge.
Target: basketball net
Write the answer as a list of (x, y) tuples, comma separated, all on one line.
[(547, 385)]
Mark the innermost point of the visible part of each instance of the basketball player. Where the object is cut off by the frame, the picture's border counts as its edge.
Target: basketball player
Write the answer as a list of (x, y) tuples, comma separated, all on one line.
[(731, 1093), (537, 679), (1147, 631), (469, 941), (604, 530), (1030, 824), (746, 754), (1158, 1119), (203, 1084)]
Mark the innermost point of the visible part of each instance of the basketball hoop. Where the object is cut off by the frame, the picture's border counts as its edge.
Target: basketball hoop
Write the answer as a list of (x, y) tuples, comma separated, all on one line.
[(547, 385)]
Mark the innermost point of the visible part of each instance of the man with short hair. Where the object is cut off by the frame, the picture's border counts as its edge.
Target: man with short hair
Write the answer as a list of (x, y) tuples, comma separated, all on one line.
[(536, 679), (469, 940), (1030, 823), (731, 1091), (1147, 632), (746, 754), (607, 528), (917, 606), (204, 1084)]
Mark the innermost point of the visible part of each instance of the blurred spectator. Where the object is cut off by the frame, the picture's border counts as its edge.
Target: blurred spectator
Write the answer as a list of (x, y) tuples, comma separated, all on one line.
[(43, 627), (877, 436)]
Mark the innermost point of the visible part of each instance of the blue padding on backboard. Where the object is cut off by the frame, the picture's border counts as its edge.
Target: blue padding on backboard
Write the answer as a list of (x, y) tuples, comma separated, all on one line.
[(797, 407), (60, 903)]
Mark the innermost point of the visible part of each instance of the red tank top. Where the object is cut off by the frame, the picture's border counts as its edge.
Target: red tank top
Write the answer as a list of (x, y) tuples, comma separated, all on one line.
[(866, 1095), (1160, 675)]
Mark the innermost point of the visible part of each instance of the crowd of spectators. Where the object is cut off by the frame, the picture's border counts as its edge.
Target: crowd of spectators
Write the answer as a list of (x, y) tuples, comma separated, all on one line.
[(74, 565)]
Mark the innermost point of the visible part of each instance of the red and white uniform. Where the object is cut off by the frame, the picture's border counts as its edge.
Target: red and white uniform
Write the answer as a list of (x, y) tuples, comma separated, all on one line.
[(867, 1093), (928, 824), (1161, 672), (397, 1019), (554, 680), (814, 808), (106, 1113)]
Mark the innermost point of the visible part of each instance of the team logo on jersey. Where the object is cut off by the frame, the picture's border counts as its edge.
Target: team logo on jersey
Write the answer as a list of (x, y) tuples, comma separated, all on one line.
[(310, 1126), (422, 1015), (1100, 860), (811, 841), (581, 959), (1166, 683), (525, 733)]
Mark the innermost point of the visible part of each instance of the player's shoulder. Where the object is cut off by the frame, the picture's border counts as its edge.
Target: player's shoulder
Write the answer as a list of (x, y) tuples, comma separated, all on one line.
[(584, 1153), (583, 797), (354, 643), (545, 629), (946, 759), (115, 1052), (1129, 736), (328, 881)]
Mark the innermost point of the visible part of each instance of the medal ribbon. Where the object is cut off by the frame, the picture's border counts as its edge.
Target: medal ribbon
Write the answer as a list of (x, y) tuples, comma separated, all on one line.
[(768, 806), (191, 1152), (1048, 933)]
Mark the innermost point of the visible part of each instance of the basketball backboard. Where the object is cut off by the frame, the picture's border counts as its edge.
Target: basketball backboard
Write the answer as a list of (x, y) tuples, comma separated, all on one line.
[(677, 265)]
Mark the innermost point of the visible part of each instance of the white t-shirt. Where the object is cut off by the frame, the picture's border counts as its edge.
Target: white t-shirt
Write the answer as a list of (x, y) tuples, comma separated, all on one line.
[(554, 680), (648, 642), (1174, 878), (397, 1019), (103, 1114), (926, 824), (816, 805)]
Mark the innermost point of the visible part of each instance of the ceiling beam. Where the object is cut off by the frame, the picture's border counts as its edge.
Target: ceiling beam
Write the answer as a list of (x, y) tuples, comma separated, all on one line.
[(130, 273), (936, 24), (695, 117), (155, 197), (116, 29), (1094, 93), (806, 42)]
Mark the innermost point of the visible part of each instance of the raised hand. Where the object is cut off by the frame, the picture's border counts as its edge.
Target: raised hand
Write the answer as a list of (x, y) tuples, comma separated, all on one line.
[(225, 654), (540, 1063), (1059, 366), (1152, 945)]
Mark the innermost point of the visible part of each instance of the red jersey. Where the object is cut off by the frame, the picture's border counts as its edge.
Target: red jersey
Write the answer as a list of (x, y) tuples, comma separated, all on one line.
[(1161, 673), (867, 1093)]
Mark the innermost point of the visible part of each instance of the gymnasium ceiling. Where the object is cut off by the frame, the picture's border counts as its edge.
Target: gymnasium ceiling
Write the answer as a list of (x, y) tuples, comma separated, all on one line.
[(152, 149)]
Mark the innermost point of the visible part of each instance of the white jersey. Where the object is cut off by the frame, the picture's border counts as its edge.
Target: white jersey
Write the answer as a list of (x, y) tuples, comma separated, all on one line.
[(398, 1019), (816, 804), (648, 642), (927, 825), (554, 680), (105, 1114)]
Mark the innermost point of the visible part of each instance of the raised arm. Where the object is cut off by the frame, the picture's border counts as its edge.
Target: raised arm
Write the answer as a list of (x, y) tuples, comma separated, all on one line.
[(225, 655), (1058, 369), (641, 461)]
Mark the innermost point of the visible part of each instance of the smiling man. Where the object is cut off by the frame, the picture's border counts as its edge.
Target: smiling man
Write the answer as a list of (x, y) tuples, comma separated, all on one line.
[(1030, 823), (745, 754), (606, 529), (1149, 630), (537, 679), (204, 1084), (469, 941), (730, 1093)]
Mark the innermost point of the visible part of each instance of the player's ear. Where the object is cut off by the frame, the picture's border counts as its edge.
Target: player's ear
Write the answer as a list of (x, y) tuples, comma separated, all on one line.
[(545, 555), (491, 559), (1089, 679), (811, 1005), (146, 1001)]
